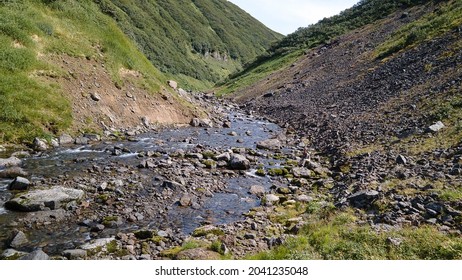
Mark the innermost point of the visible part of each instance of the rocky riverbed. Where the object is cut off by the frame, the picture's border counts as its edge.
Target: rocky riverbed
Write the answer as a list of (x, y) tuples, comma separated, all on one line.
[(228, 186)]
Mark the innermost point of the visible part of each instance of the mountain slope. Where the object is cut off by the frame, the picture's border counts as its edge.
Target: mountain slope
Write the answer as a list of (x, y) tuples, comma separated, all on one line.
[(387, 79), (203, 39), (65, 66)]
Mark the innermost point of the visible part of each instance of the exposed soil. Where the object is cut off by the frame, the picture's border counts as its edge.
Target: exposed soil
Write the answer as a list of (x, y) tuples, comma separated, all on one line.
[(98, 103)]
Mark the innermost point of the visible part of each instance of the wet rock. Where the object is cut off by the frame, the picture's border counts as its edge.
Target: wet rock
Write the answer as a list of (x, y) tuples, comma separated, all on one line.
[(198, 254), (227, 124), (37, 200), (65, 139), (75, 254), (9, 162), (257, 190), (19, 240), (186, 200), (19, 184), (37, 255), (13, 172), (269, 144), (39, 145), (97, 243), (363, 199), (401, 160), (436, 127), (239, 162)]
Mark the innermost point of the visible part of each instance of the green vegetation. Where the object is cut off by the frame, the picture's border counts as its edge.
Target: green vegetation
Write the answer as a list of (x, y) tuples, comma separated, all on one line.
[(445, 18), (337, 236), (202, 39), (282, 54)]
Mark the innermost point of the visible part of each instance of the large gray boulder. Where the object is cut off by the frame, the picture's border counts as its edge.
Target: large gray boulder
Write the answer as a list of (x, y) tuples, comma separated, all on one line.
[(363, 199), (13, 172), (37, 200), (9, 162)]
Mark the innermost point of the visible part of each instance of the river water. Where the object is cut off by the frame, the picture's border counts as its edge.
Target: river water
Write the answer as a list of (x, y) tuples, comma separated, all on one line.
[(225, 207)]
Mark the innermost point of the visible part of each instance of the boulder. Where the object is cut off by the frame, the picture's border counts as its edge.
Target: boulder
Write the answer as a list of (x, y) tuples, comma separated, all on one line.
[(195, 122), (239, 162), (12, 254), (19, 184), (37, 255), (9, 162), (223, 157), (19, 240), (81, 141), (269, 144), (363, 199), (172, 84), (302, 172), (37, 200), (75, 254), (39, 145), (271, 199), (65, 139), (186, 200), (257, 190), (13, 172)]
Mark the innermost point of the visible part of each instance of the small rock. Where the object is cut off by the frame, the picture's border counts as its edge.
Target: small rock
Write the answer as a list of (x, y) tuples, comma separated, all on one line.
[(37, 255), (363, 199), (257, 190), (239, 162), (223, 157), (227, 124), (39, 145), (436, 127), (186, 200), (401, 160), (75, 254), (11, 254), (95, 96), (19, 240), (19, 184), (198, 254), (81, 140), (195, 122), (13, 172), (304, 198), (269, 144), (172, 84), (232, 133), (271, 199), (65, 139)]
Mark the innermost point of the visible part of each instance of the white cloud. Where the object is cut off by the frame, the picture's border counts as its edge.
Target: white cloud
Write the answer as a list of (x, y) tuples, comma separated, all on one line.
[(288, 15)]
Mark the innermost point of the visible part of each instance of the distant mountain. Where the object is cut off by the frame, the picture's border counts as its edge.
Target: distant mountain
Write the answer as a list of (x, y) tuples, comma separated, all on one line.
[(203, 39)]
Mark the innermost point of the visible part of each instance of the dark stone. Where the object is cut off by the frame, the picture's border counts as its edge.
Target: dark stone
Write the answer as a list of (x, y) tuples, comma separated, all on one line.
[(363, 199), (401, 160), (19, 184)]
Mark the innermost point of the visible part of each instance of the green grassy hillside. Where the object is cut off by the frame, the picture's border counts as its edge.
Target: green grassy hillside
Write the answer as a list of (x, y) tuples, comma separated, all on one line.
[(32, 29), (203, 39)]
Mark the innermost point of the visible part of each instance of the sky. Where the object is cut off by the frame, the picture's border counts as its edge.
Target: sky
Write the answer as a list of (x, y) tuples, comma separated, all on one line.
[(285, 16)]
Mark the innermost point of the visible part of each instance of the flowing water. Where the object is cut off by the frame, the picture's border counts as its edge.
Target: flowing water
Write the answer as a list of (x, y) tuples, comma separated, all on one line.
[(224, 207)]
